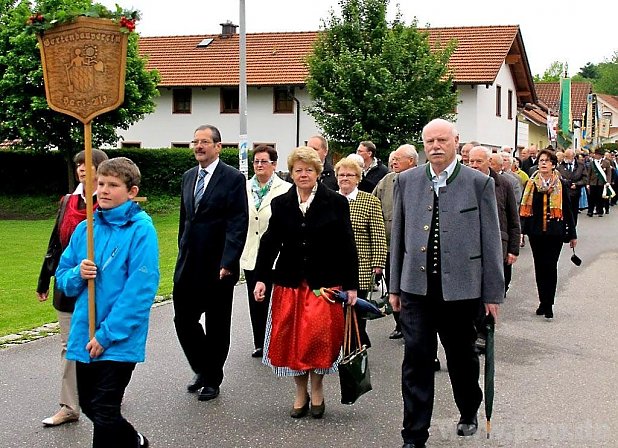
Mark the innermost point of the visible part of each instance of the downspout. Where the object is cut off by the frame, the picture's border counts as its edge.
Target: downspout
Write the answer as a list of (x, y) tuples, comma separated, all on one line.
[(297, 120)]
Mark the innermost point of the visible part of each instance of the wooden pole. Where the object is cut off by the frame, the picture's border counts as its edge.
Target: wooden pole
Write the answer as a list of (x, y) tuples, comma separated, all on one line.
[(90, 176)]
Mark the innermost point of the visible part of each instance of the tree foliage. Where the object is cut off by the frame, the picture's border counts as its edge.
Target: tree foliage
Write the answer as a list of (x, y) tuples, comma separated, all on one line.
[(375, 80), (25, 115), (607, 82), (553, 73)]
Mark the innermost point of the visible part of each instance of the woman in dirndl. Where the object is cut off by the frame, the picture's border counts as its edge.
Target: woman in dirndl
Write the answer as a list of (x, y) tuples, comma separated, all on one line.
[(310, 236)]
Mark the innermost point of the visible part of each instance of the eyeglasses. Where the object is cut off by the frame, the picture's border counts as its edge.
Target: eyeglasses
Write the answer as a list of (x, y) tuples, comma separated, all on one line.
[(544, 161), (344, 175), (262, 162), (201, 142)]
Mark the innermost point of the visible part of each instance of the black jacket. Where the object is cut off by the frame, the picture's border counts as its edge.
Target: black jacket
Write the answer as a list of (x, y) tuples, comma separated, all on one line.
[(318, 247), (372, 177)]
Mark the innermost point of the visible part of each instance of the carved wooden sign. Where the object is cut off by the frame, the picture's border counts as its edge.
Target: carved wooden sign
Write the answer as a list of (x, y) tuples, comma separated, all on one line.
[(84, 67)]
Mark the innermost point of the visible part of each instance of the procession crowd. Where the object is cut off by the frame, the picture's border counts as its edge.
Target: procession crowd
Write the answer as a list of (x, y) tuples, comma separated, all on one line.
[(444, 235)]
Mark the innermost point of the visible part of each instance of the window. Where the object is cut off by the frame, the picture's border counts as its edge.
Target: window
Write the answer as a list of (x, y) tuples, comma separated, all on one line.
[(180, 145), (498, 101), (283, 100), (509, 112), (182, 101), (229, 100), (126, 144)]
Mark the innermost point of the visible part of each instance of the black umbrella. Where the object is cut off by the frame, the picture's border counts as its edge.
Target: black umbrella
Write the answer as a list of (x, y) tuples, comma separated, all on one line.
[(365, 308), (489, 370)]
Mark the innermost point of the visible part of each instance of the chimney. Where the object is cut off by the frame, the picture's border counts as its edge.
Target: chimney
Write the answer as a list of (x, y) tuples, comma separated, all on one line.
[(228, 29)]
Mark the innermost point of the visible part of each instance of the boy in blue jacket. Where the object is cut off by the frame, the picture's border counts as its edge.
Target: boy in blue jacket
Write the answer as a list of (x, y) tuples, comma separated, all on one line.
[(126, 273)]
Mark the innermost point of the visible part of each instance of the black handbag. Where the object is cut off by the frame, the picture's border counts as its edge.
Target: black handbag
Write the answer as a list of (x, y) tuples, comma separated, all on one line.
[(378, 295), (354, 376)]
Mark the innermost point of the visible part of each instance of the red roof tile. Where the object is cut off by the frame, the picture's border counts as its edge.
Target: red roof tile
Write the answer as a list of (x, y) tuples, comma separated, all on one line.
[(549, 93), (279, 58), (272, 59)]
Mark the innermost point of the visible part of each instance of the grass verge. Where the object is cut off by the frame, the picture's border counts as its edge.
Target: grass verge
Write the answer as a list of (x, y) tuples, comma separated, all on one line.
[(22, 246)]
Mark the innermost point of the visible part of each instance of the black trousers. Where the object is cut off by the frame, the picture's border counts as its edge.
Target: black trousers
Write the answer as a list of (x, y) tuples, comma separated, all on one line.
[(101, 386), (257, 310), (545, 253), (206, 348), (387, 269), (422, 319), (595, 200)]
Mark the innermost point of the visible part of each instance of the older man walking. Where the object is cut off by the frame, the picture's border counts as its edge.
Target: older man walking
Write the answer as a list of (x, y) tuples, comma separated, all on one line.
[(446, 258)]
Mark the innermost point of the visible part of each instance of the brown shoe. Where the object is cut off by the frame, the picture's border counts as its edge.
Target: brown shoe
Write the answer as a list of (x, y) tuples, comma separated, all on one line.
[(64, 415)]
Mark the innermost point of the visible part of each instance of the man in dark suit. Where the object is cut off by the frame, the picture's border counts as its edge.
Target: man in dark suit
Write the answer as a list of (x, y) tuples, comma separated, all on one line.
[(529, 164), (599, 175), (211, 236), (576, 176), (446, 258)]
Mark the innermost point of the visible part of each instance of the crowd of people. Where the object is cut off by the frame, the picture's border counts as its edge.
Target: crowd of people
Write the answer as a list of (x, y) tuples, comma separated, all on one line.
[(413, 225)]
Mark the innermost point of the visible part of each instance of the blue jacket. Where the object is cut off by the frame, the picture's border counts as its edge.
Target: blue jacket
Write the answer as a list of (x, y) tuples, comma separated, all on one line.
[(127, 257)]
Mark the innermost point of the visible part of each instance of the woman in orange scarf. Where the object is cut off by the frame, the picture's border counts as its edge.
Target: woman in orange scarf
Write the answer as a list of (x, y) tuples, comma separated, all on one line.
[(547, 219)]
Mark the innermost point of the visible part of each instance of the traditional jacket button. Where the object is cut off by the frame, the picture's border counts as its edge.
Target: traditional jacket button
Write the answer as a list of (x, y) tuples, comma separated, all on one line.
[(423, 249), (426, 227), (422, 268), (429, 207)]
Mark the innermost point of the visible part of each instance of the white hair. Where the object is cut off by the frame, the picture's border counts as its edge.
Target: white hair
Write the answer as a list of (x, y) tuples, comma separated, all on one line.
[(358, 158)]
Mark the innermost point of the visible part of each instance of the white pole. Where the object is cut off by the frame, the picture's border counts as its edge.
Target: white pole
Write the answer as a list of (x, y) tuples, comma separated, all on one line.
[(242, 95)]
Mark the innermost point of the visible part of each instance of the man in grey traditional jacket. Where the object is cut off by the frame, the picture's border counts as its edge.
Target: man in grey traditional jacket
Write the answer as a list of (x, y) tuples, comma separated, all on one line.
[(446, 257)]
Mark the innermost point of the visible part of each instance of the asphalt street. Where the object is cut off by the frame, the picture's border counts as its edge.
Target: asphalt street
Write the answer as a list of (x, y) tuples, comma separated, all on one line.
[(556, 382)]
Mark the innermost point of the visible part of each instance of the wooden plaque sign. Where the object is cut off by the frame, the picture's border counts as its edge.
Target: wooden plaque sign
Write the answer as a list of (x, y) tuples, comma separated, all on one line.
[(84, 67)]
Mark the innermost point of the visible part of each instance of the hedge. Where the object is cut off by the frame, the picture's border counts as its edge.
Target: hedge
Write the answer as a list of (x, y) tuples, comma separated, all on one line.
[(28, 173)]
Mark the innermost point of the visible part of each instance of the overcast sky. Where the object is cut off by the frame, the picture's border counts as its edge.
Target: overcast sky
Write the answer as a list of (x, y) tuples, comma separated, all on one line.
[(552, 31)]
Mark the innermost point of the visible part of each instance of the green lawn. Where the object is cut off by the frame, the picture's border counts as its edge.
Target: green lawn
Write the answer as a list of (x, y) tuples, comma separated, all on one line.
[(22, 247)]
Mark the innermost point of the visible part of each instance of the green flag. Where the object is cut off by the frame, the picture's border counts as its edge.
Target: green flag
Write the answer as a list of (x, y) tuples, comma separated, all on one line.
[(565, 106)]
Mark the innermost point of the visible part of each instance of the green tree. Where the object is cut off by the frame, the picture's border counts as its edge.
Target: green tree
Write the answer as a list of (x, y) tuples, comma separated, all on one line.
[(553, 73), (587, 72), (25, 115), (607, 82), (371, 79)]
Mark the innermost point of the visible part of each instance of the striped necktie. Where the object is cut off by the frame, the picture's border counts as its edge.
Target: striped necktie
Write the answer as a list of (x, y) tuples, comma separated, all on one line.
[(199, 188)]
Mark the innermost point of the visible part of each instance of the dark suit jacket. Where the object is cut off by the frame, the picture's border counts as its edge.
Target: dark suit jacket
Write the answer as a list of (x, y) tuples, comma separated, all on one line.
[(578, 176), (213, 236), (527, 165), (318, 247), (508, 214)]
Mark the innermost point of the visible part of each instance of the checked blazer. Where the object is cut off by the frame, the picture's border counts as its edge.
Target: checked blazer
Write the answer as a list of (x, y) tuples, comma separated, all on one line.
[(369, 235)]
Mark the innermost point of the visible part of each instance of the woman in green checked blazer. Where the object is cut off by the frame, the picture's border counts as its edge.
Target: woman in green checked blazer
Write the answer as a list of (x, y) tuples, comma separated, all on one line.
[(368, 227)]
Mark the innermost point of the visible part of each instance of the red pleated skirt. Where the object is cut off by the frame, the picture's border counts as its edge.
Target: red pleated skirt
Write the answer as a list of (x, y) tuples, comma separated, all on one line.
[(306, 331)]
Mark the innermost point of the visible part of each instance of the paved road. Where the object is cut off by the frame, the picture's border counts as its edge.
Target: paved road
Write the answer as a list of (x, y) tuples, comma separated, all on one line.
[(556, 381)]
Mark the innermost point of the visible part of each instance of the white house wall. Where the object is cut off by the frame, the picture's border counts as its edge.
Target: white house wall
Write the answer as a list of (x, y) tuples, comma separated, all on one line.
[(476, 114), (162, 128)]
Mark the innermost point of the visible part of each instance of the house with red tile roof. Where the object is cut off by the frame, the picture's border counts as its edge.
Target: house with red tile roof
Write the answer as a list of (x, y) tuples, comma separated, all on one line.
[(199, 84), (549, 96)]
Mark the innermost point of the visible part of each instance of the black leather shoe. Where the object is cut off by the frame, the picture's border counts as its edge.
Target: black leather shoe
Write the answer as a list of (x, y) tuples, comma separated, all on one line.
[(196, 383), (396, 334), (549, 313), (301, 412), (413, 445), (467, 427), (540, 310), (257, 353), (317, 411), (208, 393)]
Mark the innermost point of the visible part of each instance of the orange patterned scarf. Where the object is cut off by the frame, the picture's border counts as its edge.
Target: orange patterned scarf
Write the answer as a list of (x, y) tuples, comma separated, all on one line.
[(553, 190)]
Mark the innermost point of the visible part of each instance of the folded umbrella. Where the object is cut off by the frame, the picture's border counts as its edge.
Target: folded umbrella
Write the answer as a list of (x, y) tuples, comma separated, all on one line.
[(489, 371), (365, 308)]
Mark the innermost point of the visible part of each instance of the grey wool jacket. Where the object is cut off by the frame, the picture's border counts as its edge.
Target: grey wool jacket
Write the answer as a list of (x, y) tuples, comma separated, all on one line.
[(470, 241)]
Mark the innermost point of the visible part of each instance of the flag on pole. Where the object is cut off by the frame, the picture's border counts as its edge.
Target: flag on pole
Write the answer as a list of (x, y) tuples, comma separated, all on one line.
[(565, 121)]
